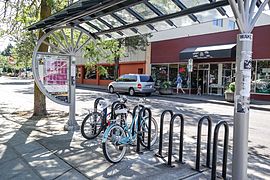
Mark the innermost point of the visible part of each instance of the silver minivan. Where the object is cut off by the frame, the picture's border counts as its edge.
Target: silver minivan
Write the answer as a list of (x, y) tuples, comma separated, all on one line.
[(133, 83)]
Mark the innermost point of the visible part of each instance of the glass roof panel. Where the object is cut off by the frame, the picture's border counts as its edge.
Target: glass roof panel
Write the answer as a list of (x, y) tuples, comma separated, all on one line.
[(144, 29), (183, 21), (165, 6), (89, 28), (111, 20), (115, 35), (192, 3), (162, 25), (208, 15), (129, 32), (144, 11), (126, 16), (99, 24)]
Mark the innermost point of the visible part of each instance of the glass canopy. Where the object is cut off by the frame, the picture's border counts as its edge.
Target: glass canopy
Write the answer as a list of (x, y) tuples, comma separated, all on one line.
[(118, 19)]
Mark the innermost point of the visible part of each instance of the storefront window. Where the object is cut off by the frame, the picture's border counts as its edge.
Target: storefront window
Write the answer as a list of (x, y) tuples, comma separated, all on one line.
[(109, 75), (78, 72), (159, 73), (213, 79), (226, 74), (184, 74), (173, 71), (194, 78), (262, 84), (90, 72)]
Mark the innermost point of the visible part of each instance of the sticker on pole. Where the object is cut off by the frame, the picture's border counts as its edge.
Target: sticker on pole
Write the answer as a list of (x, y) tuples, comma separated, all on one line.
[(245, 37), (246, 60)]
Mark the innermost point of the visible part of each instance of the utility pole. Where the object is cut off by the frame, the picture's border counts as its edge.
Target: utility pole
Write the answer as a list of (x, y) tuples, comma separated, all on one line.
[(246, 18)]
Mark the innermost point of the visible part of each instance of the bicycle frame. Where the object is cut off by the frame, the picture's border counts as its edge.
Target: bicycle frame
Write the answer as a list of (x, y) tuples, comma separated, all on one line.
[(130, 138)]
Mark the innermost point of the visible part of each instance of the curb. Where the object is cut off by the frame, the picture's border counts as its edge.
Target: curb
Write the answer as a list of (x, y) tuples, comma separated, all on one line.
[(180, 97)]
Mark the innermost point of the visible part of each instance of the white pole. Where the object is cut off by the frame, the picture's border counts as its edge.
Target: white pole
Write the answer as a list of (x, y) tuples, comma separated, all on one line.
[(72, 123), (241, 108)]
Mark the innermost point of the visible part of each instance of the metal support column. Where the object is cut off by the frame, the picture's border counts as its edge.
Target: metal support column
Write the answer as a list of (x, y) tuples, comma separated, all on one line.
[(244, 12), (72, 123), (241, 108)]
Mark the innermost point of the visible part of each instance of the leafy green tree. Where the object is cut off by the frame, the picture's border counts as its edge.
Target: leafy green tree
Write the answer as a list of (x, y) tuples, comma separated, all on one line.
[(7, 51), (112, 50), (15, 17)]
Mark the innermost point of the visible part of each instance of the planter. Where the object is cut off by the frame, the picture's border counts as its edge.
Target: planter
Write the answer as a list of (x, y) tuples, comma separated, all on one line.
[(167, 91), (229, 96)]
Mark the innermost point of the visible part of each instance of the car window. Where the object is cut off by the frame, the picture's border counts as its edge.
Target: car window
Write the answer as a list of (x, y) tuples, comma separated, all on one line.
[(120, 79), (132, 78), (146, 79)]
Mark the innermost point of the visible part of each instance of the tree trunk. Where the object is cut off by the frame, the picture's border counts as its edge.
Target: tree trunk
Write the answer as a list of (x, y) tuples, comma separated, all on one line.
[(116, 67), (116, 61), (39, 97)]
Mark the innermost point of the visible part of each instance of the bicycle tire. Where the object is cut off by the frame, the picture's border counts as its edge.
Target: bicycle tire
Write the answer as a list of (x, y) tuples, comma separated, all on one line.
[(121, 148), (97, 131), (155, 133)]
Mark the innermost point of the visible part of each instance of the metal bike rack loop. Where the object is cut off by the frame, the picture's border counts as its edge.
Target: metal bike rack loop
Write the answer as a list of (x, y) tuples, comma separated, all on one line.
[(171, 139), (96, 103), (159, 153), (138, 148), (149, 127), (225, 150), (134, 114), (199, 134)]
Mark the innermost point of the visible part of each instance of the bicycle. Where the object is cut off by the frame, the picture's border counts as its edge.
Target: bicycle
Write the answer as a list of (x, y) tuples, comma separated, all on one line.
[(117, 137), (96, 121)]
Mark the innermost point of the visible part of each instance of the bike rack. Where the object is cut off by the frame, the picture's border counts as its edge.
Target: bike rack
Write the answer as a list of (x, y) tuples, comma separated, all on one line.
[(199, 134), (171, 139), (114, 104), (134, 114), (96, 103), (138, 148), (142, 113), (225, 150), (149, 127), (159, 153)]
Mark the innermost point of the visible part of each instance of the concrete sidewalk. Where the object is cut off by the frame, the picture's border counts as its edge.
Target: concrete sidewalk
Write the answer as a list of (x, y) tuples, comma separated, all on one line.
[(38, 148), (254, 104)]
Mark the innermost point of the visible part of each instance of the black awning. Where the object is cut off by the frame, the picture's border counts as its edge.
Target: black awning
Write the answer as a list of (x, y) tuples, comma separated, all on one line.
[(208, 52)]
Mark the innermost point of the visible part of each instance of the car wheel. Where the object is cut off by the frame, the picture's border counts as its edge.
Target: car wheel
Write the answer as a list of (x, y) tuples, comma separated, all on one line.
[(131, 92), (111, 89)]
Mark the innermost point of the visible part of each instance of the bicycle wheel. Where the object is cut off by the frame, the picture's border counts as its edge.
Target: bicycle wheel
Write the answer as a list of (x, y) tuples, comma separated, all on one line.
[(145, 128), (92, 125), (113, 150)]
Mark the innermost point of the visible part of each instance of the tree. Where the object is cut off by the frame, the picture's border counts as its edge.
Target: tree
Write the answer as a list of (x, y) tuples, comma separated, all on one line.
[(23, 51), (15, 17), (7, 51), (112, 50)]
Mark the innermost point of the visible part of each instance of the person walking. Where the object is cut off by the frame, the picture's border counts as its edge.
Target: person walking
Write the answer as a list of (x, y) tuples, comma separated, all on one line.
[(179, 84)]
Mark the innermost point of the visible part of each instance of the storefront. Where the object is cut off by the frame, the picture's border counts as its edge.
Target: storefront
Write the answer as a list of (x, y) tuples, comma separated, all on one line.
[(214, 68), (91, 74)]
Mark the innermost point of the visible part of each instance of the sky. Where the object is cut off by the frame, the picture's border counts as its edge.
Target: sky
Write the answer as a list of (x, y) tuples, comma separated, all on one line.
[(4, 43)]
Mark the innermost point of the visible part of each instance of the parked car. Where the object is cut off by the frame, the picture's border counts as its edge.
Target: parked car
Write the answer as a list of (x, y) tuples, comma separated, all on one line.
[(133, 83)]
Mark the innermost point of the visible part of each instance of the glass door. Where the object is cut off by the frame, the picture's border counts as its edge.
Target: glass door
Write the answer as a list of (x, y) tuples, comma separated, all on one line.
[(203, 78)]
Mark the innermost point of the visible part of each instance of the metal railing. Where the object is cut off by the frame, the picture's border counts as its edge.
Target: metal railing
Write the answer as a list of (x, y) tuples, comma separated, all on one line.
[(199, 134), (159, 153), (171, 138), (225, 150)]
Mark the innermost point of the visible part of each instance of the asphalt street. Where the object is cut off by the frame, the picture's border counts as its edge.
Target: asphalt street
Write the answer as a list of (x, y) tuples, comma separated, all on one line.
[(17, 95)]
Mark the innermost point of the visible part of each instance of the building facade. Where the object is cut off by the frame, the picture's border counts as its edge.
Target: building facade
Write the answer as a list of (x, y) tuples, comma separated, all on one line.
[(213, 61)]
